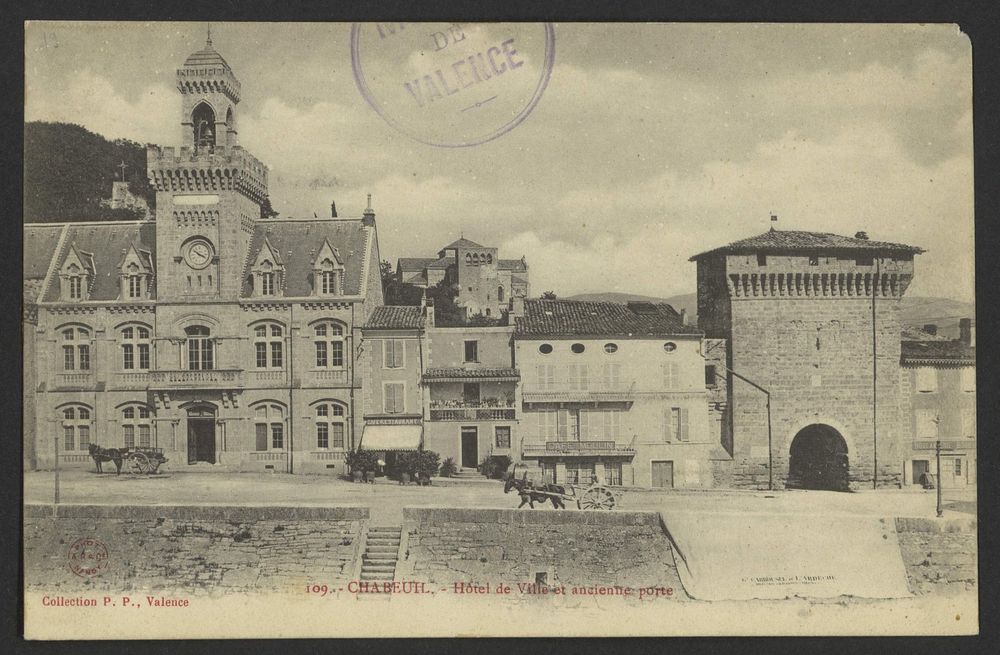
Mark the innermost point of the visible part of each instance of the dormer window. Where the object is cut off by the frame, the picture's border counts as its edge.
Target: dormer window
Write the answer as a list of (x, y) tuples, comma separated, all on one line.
[(76, 275), (267, 272), (135, 271), (328, 272), (75, 287)]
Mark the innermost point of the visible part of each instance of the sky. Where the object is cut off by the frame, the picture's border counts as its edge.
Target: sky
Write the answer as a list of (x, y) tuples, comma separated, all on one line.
[(650, 142)]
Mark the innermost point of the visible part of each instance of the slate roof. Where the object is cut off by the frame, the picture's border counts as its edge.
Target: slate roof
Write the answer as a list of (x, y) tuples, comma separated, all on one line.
[(516, 265), (946, 352), (580, 318), (40, 242), (414, 264), (463, 243), (207, 56), (796, 241), (439, 373), (298, 241), (396, 317), (107, 244)]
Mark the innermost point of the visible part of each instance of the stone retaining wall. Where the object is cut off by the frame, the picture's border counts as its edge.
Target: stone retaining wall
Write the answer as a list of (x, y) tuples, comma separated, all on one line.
[(626, 549), (195, 549), (940, 554)]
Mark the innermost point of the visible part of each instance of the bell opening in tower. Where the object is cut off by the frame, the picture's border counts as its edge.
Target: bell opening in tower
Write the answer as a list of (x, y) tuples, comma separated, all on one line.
[(203, 123)]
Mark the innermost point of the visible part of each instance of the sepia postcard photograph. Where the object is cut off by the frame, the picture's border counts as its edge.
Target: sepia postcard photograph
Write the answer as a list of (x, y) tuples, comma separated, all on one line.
[(392, 329)]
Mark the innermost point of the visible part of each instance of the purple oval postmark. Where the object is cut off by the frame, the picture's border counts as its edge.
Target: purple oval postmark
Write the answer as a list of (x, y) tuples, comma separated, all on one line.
[(452, 85)]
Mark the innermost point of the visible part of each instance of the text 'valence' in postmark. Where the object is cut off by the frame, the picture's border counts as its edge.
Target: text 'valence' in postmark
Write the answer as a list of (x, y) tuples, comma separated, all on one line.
[(452, 84)]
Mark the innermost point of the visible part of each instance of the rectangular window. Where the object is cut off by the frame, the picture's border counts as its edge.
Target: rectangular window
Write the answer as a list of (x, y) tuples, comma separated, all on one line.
[(394, 398), (329, 282), (969, 378), (84, 352), (927, 424), (761, 260), (546, 377), (613, 473), (128, 436), (612, 376), (128, 357), (393, 355), (267, 284), (261, 349), (672, 423), (338, 354), (578, 377), (277, 435), (261, 436), (670, 376), (84, 441), (144, 436), (276, 354), (134, 286), (958, 467), (322, 435), (75, 288), (814, 260), (710, 375), (68, 440), (68, 359), (969, 423), (580, 472), (471, 351), (612, 424), (927, 379), (338, 435), (548, 424), (864, 261), (143, 356), (321, 354), (503, 436)]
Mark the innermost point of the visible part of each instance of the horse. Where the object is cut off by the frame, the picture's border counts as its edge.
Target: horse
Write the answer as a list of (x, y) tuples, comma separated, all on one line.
[(106, 455), (529, 491)]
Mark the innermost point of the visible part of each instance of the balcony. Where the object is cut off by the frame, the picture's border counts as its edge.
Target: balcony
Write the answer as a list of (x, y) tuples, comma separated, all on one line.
[(212, 379), (74, 380), (268, 378), (578, 448), (329, 377), (471, 411), (597, 392), (132, 380)]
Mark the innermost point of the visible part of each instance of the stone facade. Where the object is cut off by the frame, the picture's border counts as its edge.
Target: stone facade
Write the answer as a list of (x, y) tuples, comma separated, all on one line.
[(814, 320)]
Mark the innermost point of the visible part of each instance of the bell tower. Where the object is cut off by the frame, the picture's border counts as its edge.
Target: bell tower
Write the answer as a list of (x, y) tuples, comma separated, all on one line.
[(209, 191)]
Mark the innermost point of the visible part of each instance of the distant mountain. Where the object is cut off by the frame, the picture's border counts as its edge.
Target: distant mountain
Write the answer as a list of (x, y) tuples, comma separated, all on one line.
[(915, 312), (69, 170)]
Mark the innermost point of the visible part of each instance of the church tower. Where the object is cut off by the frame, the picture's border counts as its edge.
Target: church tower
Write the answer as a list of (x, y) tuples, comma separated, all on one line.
[(209, 191)]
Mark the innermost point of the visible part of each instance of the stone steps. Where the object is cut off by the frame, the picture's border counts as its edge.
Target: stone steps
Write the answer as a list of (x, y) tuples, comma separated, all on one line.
[(381, 554)]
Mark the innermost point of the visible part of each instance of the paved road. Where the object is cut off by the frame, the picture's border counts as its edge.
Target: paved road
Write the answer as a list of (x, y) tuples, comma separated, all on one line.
[(386, 499)]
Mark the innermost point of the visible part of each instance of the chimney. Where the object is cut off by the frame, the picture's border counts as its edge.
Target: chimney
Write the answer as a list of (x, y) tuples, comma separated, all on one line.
[(368, 218), (967, 332), (517, 306), (333, 210), (930, 329), (861, 235), (428, 305), (684, 316)]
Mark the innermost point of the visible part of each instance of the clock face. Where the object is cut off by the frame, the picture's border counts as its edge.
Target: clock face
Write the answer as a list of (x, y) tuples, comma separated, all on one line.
[(199, 254)]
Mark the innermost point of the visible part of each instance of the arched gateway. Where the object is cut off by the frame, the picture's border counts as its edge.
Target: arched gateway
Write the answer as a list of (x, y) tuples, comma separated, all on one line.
[(818, 459)]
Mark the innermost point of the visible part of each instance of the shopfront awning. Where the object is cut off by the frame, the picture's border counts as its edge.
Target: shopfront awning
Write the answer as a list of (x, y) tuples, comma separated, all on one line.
[(392, 437)]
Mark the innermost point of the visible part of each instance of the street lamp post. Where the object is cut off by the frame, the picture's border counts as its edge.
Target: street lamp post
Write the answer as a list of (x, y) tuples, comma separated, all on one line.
[(770, 451)]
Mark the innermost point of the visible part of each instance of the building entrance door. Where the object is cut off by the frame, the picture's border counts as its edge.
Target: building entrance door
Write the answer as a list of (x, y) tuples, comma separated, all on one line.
[(921, 467), (470, 448), (663, 475), (201, 435), (818, 459)]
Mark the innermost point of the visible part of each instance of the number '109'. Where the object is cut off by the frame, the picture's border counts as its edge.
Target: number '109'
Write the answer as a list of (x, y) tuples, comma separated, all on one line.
[(320, 589)]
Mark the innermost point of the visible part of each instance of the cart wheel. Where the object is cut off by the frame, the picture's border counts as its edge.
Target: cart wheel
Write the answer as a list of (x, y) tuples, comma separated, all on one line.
[(597, 498), (141, 463)]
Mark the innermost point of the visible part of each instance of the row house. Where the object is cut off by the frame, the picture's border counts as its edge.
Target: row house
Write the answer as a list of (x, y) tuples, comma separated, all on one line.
[(224, 338)]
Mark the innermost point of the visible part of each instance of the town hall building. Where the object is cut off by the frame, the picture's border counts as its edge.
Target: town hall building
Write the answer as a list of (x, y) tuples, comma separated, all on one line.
[(224, 338)]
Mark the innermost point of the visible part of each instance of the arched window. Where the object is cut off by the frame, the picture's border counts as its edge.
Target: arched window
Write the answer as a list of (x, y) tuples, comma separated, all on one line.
[(137, 423), (269, 426), (76, 348), (330, 426), (468, 258), (475, 258), (499, 294), (200, 348), (268, 343), (203, 124), (76, 427), (329, 340), (489, 258), (135, 348)]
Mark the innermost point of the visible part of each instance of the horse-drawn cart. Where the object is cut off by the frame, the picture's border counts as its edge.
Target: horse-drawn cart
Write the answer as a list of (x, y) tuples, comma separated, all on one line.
[(143, 459), (596, 496)]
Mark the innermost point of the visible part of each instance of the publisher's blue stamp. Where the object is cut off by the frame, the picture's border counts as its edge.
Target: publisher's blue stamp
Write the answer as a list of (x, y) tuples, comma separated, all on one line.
[(453, 85)]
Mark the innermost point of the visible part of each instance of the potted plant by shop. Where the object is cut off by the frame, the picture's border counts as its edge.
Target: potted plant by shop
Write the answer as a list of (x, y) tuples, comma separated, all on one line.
[(361, 463)]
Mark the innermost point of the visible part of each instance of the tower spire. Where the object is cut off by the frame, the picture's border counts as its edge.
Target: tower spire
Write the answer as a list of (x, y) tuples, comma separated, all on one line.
[(208, 41)]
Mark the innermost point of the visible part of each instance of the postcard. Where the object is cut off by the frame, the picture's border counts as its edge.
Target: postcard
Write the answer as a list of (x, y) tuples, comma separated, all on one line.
[(485, 329)]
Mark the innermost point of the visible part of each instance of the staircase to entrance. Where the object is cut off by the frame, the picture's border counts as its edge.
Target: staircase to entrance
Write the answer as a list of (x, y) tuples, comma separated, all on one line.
[(381, 554)]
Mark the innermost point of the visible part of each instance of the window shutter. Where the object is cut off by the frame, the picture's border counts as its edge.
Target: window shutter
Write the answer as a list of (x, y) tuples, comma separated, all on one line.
[(584, 425), (398, 352), (684, 424), (389, 400), (584, 382), (261, 436), (562, 427), (387, 353), (665, 423)]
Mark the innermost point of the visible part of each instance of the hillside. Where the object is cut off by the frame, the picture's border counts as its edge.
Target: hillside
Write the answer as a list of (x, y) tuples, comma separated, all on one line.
[(68, 171), (915, 312)]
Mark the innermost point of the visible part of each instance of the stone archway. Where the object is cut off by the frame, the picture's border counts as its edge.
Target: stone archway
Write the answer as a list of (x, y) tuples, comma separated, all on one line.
[(818, 459)]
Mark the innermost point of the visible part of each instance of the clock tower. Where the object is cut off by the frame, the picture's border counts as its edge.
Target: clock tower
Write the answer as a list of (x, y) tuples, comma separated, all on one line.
[(209, 191)]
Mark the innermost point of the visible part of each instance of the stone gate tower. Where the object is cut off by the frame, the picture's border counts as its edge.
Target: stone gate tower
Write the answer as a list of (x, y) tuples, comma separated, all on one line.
[(209, 192), (812, 318)]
